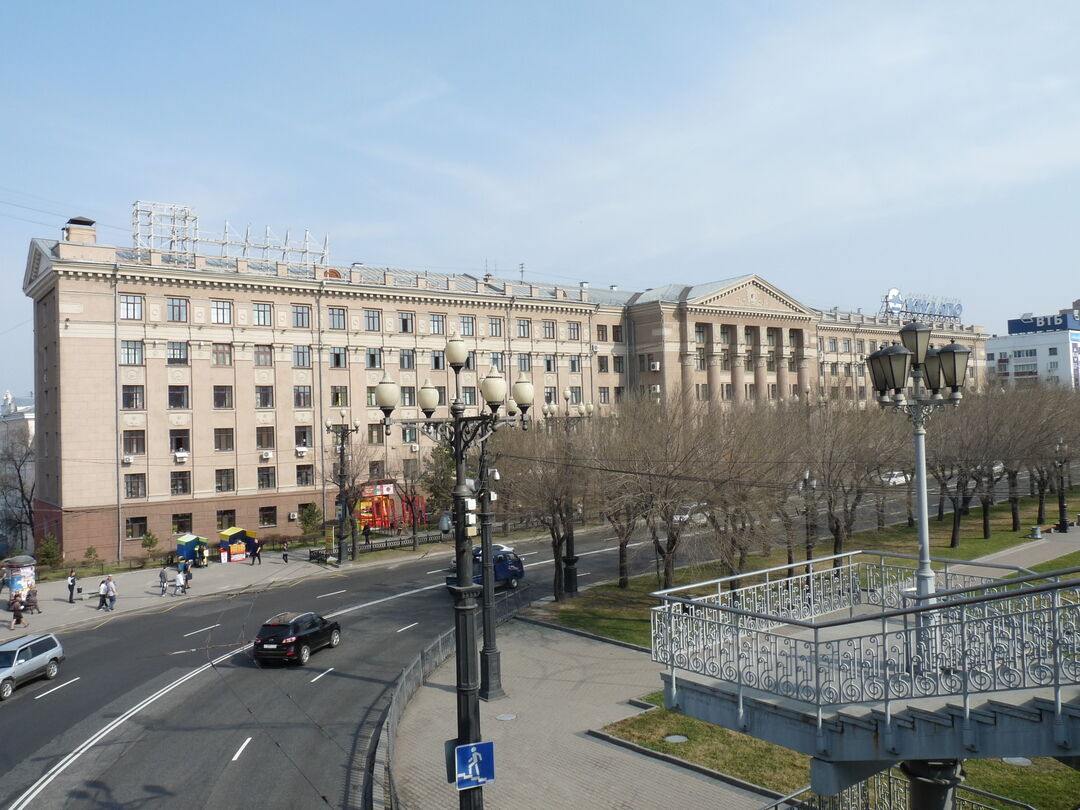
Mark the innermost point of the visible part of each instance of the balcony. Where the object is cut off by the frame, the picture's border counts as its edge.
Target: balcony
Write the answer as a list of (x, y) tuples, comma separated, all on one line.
[(840, 662)]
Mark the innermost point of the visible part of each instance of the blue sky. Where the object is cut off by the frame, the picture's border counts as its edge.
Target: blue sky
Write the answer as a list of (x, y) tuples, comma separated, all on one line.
[(837, 149)]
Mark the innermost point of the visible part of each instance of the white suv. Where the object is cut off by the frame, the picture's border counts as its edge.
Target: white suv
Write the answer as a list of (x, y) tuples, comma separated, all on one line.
[(28, 657)]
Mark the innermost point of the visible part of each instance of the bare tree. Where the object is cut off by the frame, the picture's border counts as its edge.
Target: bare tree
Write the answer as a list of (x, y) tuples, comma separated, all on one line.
[(354, 474), (17, 481)]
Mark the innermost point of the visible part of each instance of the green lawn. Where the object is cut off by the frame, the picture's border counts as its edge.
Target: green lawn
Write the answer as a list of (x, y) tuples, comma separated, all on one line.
[(608, 611)]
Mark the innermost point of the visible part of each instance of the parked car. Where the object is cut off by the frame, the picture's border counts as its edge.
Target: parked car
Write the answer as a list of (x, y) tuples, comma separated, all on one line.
[(507, 566), (689, 513), (26, 658), (895, 477), (293, 637), (478, 553)]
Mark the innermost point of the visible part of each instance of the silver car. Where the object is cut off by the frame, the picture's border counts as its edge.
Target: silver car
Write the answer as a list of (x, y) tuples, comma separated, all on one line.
[(22, 659)]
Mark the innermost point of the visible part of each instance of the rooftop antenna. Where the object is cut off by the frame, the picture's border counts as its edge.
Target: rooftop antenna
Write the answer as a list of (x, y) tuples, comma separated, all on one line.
[(521, 269)]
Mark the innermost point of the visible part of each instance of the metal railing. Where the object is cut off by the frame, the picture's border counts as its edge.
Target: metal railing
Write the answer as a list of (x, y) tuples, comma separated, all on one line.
[(888, 790), (979, 634)]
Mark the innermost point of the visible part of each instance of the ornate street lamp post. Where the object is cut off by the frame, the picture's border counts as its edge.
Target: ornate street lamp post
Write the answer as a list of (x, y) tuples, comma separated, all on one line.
[(463, 433), (343, 431), (1061, 453), (934, 369)]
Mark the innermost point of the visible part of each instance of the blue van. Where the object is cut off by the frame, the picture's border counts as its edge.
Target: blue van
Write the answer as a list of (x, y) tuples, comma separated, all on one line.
[(507, 565)]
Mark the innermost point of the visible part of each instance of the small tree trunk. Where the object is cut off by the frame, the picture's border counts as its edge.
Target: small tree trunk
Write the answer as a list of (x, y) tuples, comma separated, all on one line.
[(881, 512), (954, 539), (1042, 503), (1014, 500), (910, 506), (986, 503), (941, 503)]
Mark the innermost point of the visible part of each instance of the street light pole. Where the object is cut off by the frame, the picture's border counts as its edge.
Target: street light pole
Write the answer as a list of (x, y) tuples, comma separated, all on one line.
[(1062, 457), (490, 659), (342, 431)]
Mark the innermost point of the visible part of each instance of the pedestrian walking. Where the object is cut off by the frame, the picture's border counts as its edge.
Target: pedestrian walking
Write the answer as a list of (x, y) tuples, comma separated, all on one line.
[(71, 580), (31, 602), (103, 595), (163, 578), (110, 591), (367, 533), (258, 551), (17, 613), (285, 551), (178, 583)]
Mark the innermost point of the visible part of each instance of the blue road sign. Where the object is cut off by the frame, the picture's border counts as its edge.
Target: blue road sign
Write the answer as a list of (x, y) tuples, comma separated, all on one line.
[(475, 764)]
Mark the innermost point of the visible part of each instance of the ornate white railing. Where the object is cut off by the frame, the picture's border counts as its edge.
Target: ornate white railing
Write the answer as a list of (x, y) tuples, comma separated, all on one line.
[(980, 635)]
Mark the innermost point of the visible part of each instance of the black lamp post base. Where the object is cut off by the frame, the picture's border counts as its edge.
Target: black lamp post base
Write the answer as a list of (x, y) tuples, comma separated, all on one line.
[(491, 675)]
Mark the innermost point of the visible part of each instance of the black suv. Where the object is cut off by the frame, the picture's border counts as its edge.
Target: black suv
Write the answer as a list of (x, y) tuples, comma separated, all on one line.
[(293, 637)]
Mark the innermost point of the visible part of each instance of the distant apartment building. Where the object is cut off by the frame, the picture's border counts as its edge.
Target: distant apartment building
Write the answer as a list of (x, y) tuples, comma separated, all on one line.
[(180, 391), (1042, 348)]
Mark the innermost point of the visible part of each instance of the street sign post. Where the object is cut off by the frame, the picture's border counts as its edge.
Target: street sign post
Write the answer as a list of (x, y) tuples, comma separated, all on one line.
[(474, 765)]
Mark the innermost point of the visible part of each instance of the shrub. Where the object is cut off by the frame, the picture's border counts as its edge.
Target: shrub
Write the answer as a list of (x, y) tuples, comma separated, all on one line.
[(311, 518), (48, 551), (149, 542), (90, 556)]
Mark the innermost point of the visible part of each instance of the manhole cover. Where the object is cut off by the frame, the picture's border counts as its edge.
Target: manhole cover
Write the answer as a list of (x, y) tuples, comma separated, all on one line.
[(506, 716), (1022, 761), (675, 738)]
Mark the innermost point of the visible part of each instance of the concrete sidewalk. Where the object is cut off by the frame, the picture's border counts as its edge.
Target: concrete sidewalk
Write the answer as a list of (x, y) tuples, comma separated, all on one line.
[(139, 589), (560, 686)]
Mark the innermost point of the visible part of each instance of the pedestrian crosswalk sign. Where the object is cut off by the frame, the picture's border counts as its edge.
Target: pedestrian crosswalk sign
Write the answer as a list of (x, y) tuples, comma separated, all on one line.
[(474, 764)]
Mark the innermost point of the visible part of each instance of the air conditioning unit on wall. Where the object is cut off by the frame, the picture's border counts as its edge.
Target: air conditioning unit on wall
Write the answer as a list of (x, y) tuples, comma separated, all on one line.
[(266, 455), (128, 459), (654, 366), (293, 515), (301, 452), (181, 456)]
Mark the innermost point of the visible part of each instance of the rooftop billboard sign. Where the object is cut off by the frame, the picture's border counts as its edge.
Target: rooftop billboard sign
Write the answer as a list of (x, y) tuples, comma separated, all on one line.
[(1044, 323), (897, 305)]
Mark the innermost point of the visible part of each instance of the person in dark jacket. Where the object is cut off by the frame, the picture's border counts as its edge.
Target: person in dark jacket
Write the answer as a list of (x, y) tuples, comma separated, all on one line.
[(31, 601), (17, 613)]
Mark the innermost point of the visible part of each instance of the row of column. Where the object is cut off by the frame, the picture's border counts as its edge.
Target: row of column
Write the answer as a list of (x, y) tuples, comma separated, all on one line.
[(738, 371)]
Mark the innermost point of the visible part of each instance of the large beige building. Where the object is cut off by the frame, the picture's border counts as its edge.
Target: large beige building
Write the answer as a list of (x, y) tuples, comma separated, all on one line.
[(178, 391)]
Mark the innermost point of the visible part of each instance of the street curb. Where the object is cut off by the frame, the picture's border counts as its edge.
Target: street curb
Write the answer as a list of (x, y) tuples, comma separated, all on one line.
[(690, 766)]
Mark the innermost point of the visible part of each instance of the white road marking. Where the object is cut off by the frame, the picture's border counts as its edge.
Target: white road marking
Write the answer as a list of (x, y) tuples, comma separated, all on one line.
[(332, 593), (437, 571), (181, 652), (583, 573), (528, 553), (240, 750), (61, 686), (202, 630), (321, 674), (406, 627)]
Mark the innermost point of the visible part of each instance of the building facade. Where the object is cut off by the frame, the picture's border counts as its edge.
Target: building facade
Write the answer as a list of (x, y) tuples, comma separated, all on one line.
[(178, 391), (1044, 349)]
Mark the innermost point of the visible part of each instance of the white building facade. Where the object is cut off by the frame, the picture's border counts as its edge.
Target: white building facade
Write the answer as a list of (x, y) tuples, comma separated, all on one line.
[(1038, 348)]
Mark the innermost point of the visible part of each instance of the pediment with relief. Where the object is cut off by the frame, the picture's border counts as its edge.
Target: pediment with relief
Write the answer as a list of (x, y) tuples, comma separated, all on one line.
[(755, 294)]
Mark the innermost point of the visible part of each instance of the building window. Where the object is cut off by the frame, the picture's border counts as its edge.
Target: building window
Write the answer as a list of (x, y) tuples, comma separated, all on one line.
[(700, 359), (264, 396), (438, 324), (438, 360), (303, 436), (702, 392), (301, 396), (179, 440), (376, 434), (180, 482), (406, 359), (617, 336), (176, 353), (441, 391), (221, 312), (524, 327), (335, 318), (496, 360), (573, 330), (549, 330), (375, 470), (134, 442), (371, 396), (264, 437), (131, 352), (225, 480), (262, 315), (136, 528), (305, 475), (845, 345), (135, 485), (468, 325), (575, 364), (339, 357), (551, 394), (832, 344), (495, 327), (620, 392), (860, 347), (179, 397), (619, 363), (642, 363), (374, 358), (226, 518), (601, 333), (372, 320), (181, 524), (549, 363), (575, 394), (223, 440), (524, 362), (131, 307), (406, 323), (699, 333), (605, 395), (602, 364), (267, 516), (301, 316), (222, 354), (470, 361), (1052, 351), (408, 396), (132, 398), (409, 435), (468, 395), (267, 477), (339, 396), (176, 310), (264, 355), (301, 356)]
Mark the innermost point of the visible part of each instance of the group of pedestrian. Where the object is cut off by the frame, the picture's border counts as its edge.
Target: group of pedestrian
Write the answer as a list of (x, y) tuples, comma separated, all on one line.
[(20, 604), (180, 580), (107, 594)]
